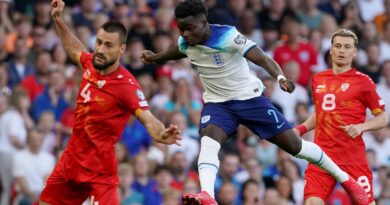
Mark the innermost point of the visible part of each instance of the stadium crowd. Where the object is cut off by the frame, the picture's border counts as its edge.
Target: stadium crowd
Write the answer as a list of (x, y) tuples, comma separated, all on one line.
[(39, 85)]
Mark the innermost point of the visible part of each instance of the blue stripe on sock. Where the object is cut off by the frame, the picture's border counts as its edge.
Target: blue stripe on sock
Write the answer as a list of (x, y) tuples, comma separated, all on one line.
[(203, 163), (319, 161)]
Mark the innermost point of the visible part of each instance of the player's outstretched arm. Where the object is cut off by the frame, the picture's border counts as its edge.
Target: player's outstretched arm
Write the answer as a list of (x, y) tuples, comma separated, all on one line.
[(150, 57), (309, 124), (257, 56), (157, 130), (379, 121), (73, 47)]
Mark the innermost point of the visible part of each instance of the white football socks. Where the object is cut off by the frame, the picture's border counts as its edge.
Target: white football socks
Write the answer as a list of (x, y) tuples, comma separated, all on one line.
[(208, 164), (313, 153)]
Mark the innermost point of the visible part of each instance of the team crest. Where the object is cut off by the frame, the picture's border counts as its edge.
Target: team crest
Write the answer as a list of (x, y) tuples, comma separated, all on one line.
[(140, 95), (240, 39), (217, 58), (344, 86), (205, 119), (101, 83)]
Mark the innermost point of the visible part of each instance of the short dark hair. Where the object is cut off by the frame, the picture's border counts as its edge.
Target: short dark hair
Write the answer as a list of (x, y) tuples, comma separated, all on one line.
[(116, 27), (190, 8)]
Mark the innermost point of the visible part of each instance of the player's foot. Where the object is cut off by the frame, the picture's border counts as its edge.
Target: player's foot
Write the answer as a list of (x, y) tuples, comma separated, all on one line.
[(202, 198), (355, 191)]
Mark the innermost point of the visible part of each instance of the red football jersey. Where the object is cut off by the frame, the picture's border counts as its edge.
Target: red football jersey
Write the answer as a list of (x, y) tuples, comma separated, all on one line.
[(343, 100), (104, 104)]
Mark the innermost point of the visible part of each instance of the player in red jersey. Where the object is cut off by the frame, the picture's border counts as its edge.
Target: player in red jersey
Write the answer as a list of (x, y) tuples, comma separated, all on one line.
[(108, 95), (341, 96)]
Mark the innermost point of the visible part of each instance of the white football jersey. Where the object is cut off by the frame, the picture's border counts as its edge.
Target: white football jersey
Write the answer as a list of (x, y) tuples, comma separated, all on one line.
[(221, 65)]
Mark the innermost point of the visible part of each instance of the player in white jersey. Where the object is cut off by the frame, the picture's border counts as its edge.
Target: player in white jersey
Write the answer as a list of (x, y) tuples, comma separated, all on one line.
[(233, 96)]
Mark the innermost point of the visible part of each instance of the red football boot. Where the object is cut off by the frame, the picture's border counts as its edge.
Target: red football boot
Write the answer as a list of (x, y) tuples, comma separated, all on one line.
[(355, 191), (202, 198)]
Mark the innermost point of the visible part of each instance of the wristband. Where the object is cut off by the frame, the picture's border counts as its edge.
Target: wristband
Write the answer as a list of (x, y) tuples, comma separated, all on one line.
[(301, 129), (280, 77)]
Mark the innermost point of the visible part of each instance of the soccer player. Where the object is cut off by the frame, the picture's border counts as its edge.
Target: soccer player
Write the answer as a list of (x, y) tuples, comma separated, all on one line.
[(108, 96), (341, 96), (233, 96)]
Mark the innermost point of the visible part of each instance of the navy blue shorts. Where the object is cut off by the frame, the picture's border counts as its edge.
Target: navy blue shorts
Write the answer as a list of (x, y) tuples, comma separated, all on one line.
[(258, 114)]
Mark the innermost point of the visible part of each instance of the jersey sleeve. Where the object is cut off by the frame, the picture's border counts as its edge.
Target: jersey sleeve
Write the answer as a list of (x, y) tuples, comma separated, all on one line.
[(371, 98), (134, 99), (239, 42), (182, 45), (85, 58)]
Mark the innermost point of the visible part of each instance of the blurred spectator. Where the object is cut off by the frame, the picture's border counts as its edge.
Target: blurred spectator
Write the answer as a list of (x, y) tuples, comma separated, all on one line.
[(164, 86), (128, 196), (272, 15), (327, 27), (42, 38), (86, 14), (382, 18), (248, 27), (12, 138), (164, 19), (35, 83), (250, 193), (143, 182), (380, 142), (191, 186), (272, 197), (182, 101), (180, 168), (22, 104), (162, 41), (372, 69), (84, 33), (227, 174), (23, 30), (271, 38), (227, 194), (19, 67), (284, 187), (5, 21), (4, 55), (310, 15), (31, 168), (4, 88), (333, 8), (294, 6), (255, 5), (189, 146), (296, 49), (384, 44), (53, 97), (121, 153), (351, 17), (42, 12), (383, 88), (292, 171), (133, 60), (135, 137), (60, 60), (143, 28), (371, 9), (46, 125)]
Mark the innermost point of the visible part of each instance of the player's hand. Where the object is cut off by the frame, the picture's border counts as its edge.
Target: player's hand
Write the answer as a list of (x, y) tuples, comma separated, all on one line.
[(58, 7), (170, 135), (147, 57), (287, 85), (353, 130)]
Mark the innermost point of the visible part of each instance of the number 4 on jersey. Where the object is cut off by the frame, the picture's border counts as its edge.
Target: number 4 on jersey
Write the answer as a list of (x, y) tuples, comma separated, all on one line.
[(85, 93)]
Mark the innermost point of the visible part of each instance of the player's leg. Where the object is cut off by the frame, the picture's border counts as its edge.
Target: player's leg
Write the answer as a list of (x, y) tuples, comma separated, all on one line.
[(318, 186), (59, 189), (216, 124), (262, 118), (102, 194)]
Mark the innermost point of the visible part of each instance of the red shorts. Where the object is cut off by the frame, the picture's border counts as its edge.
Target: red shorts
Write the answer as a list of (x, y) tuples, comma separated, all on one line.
[(320, 184), (72, 184)]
